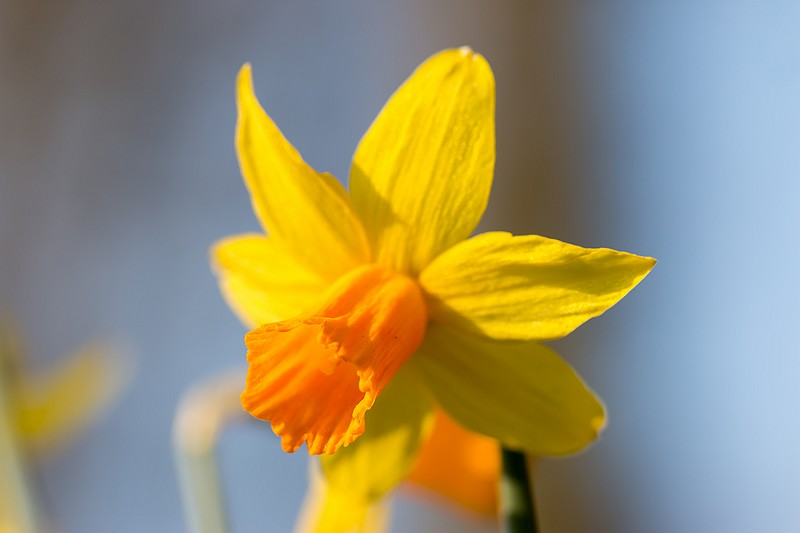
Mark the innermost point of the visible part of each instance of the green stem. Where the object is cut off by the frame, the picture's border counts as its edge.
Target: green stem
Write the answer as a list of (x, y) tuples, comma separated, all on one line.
[(20, 508), (516, 494)]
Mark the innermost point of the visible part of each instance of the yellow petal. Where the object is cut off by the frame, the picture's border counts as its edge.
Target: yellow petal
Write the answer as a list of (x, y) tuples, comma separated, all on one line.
[(261, 281), (324, 511), (384, 455), (55, 407), (421, 176), (338, 514), (519, 392), (460, 465), (305, 212), (527, 287), (315, 377)]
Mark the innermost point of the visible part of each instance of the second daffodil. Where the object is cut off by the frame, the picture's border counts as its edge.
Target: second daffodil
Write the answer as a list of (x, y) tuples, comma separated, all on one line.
[(373, 308)]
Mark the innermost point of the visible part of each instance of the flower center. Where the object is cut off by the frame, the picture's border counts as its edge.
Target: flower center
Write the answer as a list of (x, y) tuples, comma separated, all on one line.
[(314, 377)]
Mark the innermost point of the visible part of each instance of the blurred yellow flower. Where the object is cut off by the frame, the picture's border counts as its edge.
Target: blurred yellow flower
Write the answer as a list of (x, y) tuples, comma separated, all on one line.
[(42, 412), (378, 302)]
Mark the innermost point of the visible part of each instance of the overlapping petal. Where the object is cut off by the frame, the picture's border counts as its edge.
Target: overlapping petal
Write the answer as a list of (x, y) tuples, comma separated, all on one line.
[(307, 213), (421, 175), (527, 287), (460, 465), (382, 457), (261, 281), (519, 392)]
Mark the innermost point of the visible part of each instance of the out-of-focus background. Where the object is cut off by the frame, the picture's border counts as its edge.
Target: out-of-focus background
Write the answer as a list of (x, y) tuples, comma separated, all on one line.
[(669, 129)]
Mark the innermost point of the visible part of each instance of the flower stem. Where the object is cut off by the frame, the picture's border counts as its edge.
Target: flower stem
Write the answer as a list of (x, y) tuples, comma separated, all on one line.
[(201, 417), (516, 494), (20, 507)]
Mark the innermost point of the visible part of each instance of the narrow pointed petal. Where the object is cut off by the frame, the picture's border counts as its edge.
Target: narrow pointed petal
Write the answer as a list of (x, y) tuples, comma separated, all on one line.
[(519, 392), (421, 175), (307, 213), (315, 377), (384, 455), (461, 466), (527, 287), (261, 281)]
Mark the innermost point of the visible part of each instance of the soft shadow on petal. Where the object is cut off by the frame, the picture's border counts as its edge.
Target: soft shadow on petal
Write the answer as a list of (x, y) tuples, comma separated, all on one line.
[(519, 392), (384, 455), (421, 175), (349, 494), (527, 287)]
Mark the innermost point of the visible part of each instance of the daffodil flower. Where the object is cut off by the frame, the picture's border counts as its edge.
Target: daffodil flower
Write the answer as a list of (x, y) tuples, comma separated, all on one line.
[(375, 308)]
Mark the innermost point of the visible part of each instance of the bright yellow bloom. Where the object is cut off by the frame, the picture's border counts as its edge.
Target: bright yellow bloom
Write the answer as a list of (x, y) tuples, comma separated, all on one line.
[(374, 307)]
